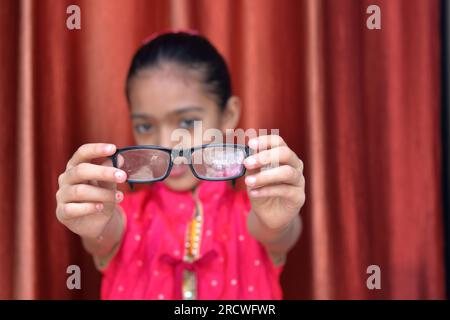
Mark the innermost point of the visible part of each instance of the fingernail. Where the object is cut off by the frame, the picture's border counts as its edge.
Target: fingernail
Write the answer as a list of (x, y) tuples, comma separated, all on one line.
[(254, 192), (250, 180), (109, 148), (99, 207), (253, 143), (251, 161), (119, 175), (119, 196)]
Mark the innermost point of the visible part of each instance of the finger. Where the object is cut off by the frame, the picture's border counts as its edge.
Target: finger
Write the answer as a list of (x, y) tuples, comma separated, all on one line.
[(120, 162), (108, 163), (88, 171), (88, 193), (274, 157), (266, 142), (72, 210), (88, 152), (284, 174), (302, 181), (295, 195)]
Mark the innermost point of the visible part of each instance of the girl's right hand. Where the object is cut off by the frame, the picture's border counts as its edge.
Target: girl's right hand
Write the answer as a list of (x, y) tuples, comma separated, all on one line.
[(87, 197)]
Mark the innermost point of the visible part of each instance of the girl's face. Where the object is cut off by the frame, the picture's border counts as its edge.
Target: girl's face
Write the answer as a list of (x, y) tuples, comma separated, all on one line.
[(170, 97)]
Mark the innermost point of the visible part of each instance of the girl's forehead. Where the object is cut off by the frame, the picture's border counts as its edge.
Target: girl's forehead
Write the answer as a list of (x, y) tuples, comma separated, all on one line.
[(163, 90)]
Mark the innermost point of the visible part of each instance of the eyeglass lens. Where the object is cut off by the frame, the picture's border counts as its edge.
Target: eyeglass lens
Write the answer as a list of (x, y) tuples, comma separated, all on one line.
[(210, 162)]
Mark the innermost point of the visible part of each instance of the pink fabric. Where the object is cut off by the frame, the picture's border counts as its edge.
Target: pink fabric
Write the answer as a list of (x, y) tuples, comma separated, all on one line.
[(145, 267)]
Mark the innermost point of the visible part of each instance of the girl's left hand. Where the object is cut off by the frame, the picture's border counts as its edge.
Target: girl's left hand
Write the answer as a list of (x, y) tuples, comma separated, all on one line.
[(277, 193)]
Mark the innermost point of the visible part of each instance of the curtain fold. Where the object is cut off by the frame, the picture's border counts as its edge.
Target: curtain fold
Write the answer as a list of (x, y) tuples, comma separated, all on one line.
[(25, 244), (360, 107)]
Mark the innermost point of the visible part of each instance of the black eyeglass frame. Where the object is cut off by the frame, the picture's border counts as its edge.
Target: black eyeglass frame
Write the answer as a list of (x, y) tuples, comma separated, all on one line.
[(186, 153)]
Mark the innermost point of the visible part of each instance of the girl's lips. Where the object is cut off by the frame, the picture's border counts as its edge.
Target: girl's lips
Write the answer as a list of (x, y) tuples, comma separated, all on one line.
[(178, 170)]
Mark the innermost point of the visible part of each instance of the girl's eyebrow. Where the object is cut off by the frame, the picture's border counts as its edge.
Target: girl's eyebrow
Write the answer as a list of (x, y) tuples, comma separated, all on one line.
[(177, 112), (140, 115), (188, 109)]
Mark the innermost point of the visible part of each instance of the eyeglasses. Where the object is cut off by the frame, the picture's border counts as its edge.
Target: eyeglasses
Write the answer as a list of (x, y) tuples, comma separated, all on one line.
[(214, 162)]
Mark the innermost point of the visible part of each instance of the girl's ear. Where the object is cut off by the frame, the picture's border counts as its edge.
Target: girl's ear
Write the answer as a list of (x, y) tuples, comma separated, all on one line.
[(231, 113)]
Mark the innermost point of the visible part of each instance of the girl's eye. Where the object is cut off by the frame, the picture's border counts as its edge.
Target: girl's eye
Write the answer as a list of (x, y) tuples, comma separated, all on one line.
[(188, 123), (143, 128)]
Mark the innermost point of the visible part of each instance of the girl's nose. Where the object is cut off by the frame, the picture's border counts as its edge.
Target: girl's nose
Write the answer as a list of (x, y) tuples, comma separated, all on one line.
[(180, 160)]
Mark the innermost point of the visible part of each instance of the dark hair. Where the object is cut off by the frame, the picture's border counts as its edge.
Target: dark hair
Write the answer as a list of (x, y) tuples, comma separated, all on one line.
[(190, 50)]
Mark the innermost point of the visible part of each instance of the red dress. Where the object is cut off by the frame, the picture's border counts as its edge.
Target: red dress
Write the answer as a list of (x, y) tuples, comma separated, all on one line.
[(149, 264)]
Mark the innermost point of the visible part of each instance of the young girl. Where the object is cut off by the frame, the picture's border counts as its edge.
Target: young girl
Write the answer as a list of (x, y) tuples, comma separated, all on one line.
[(184, 238)]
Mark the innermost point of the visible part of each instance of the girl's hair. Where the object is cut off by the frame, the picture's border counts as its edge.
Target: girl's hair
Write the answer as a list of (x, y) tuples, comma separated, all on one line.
[(189, 50)]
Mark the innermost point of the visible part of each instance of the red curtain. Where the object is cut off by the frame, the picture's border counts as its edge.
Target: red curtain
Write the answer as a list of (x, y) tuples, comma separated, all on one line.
[(359, 106)]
